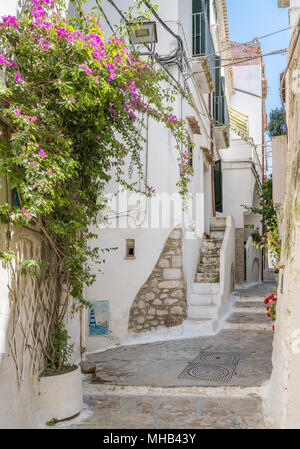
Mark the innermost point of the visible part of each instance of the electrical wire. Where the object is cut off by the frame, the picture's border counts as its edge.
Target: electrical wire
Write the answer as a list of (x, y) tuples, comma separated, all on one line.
[(105, 17), (276, 52), (239, 43), (167, 60)]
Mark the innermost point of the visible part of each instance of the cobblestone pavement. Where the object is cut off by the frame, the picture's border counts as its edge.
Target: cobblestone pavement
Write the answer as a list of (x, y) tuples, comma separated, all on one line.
[(119, 393), (159, 364), (184, 412)]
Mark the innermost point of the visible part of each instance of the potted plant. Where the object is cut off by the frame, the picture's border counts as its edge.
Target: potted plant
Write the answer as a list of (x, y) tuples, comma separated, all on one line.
[(256, 236), (60, 388)]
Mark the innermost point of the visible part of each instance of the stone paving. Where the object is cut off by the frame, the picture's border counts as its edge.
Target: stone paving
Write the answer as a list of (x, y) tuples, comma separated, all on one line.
[(133, 385), (159, 412), (159, 364)]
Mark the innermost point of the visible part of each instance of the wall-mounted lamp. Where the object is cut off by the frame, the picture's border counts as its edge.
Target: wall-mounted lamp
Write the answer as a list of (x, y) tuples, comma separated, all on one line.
[(144, 33)]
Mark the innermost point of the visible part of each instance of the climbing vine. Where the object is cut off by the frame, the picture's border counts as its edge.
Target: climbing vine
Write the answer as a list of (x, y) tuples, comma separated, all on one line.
[(271, 238), (75, 104)]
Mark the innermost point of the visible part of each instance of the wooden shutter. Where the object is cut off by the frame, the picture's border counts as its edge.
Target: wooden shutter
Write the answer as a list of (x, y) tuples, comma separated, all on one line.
[(218, 186)]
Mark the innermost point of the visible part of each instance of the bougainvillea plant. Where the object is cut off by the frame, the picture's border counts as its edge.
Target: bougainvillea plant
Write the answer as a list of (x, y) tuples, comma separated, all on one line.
[(271, 309), (75, 104)]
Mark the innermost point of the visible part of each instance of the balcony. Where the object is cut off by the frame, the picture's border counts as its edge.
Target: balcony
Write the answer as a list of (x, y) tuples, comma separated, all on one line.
[(221, 122), (203, 64)]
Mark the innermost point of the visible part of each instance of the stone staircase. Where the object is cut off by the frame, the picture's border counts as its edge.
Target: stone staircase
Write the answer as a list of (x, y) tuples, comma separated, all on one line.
[(249, 312), (205, 301)]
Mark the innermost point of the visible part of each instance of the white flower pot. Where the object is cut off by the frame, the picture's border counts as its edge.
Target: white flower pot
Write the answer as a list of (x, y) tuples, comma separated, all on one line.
[(60, 396)]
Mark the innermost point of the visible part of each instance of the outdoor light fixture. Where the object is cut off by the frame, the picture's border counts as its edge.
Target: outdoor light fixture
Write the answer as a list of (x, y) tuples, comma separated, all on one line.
[(144, 33)]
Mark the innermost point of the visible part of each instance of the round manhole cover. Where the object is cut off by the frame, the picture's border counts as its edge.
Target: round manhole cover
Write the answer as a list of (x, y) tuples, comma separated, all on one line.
[(208, 372)]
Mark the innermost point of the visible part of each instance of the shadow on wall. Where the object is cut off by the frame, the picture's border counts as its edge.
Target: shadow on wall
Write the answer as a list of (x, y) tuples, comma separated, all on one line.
[(253, 262)]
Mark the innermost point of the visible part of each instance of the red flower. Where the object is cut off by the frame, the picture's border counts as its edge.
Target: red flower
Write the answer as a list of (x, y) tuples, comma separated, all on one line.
[(267, 301), (268, 314), (273, 328), (274, 299), (268, 307)]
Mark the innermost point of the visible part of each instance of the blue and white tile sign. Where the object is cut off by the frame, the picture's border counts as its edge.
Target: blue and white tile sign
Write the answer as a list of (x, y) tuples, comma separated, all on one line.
[(99, 318)]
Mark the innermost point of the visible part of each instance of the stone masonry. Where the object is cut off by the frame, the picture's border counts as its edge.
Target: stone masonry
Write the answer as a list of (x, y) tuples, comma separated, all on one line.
[(209, 267), (161, 301)]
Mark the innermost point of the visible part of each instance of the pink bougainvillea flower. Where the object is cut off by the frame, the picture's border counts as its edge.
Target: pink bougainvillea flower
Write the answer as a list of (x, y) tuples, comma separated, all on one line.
[(9, 21), (98, 137), (73, 100), (50, 172), (25, 213), (32, 164), (4, 61), (42, 153), (18, 77)]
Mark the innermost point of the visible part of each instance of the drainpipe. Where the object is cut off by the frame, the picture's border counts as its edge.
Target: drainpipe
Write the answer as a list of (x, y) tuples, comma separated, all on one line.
[(212, 153)]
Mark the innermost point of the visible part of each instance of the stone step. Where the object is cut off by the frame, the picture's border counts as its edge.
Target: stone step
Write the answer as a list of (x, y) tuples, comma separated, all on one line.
[(209, 268), (217, 234), (248, 318), (204, 299), (217, 223), (206, 287), (199, 311), (269, 275), (208, 278), (199, 327), (209, 257), (206, 259), (212, 244), (249, 306), (238, 297)]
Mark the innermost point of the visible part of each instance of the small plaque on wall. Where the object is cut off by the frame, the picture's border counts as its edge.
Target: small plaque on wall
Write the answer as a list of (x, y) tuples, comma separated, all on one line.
[(99, 318)]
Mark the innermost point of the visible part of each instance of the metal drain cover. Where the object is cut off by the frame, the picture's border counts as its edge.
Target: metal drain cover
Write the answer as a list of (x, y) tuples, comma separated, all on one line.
[(211, 367)]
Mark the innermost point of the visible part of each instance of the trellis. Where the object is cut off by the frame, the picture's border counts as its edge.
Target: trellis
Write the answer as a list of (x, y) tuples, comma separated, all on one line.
[(34, 304)]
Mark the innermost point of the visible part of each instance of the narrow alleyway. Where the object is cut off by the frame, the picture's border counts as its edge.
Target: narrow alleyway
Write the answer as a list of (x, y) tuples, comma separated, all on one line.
[(204, 382)]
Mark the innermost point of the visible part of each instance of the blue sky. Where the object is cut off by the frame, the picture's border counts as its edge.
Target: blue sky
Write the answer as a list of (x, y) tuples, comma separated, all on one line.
[(255, 18)]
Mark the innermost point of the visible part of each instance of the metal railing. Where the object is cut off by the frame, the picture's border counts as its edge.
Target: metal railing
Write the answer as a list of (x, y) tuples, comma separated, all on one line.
[(202, 39)]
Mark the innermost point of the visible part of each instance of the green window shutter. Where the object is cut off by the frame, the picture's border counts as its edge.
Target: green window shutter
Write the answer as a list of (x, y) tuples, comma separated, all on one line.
[(218, 186), (217, 91), (199, 34), (201, 6), (199, 25)]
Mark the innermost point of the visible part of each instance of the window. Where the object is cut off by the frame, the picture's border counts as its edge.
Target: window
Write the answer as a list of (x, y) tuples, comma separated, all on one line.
[(201, 31), (15, 197), (130, 249)]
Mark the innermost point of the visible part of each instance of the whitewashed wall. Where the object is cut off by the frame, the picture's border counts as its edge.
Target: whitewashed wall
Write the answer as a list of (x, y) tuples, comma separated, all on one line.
[(122, 278), (227, 262)]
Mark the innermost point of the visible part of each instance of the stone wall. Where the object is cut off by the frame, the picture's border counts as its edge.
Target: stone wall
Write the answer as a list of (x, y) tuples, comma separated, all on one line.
[(239, 256), (283, 405), (161, 301)]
